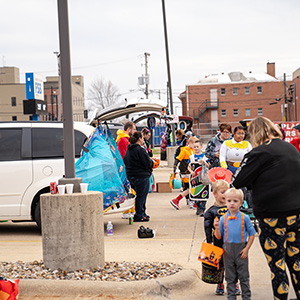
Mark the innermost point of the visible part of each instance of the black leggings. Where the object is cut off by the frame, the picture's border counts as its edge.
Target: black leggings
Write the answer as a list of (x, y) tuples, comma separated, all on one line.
[(280, 241)]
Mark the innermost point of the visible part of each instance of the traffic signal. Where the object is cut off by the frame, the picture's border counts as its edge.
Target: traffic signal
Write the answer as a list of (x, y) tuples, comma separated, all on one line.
[(291, 90)]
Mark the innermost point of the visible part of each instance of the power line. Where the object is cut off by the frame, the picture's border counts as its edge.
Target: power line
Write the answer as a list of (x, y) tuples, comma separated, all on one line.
[(91, 66)]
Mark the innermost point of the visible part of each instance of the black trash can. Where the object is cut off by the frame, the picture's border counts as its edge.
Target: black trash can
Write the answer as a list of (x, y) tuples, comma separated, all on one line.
[(163, 154)]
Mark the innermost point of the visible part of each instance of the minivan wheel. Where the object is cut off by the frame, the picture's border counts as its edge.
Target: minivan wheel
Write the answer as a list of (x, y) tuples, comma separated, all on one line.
[(37, 215)]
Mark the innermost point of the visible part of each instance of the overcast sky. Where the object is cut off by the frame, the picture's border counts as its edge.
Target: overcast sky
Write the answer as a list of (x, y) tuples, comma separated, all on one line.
[(108, 39)]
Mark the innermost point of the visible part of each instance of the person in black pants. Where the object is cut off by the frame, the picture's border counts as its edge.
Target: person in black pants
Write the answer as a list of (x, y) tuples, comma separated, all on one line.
[(272, 171), (138, 166)]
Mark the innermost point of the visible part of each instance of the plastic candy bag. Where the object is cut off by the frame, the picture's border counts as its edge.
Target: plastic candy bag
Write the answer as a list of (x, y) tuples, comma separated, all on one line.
[(203, 175)]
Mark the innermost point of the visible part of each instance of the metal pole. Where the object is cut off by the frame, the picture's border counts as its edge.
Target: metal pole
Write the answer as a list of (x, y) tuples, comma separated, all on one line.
[(59, 87), (168, 68), (285, 99), (69, 151), (52, 102), (295, 102), (146, 75)]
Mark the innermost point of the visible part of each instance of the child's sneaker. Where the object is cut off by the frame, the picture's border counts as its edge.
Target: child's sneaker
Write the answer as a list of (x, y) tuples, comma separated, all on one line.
[(237, 289), (126, 216), (175, 203), (220, 289), (193, 204)]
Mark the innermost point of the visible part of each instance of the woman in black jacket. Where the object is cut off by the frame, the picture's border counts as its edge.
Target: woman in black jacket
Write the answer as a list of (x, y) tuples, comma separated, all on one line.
[(272, 170), (138, 166)]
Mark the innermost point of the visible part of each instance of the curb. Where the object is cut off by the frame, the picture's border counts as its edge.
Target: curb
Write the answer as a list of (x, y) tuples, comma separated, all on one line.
[(164, 286)]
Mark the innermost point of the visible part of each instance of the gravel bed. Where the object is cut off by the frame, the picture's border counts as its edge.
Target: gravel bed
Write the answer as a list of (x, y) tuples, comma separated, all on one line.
[(112, 271)]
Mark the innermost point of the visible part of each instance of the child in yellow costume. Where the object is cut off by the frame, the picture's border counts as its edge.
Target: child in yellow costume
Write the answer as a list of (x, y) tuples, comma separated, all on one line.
[(183, 158)]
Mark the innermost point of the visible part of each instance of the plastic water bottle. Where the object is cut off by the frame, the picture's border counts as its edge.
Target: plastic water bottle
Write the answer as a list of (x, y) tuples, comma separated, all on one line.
[(109, 228)]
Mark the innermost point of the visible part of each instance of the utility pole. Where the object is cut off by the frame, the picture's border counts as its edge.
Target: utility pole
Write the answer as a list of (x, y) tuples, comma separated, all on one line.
[(59, 87), (295, 101), (285, 98), (168, 69), (52, 103), (146, 75)]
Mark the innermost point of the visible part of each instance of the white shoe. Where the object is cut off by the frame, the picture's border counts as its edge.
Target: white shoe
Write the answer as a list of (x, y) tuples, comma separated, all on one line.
[(126, 216)]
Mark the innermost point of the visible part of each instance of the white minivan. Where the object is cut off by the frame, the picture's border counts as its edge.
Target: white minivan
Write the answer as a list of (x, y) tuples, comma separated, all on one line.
[(31, 156)]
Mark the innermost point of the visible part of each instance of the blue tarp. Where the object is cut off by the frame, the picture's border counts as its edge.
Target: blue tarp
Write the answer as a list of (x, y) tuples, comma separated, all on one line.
[(98, 168)]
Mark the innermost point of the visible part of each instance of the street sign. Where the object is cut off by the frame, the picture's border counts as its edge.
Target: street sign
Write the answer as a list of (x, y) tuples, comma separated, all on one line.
[(34, 86)]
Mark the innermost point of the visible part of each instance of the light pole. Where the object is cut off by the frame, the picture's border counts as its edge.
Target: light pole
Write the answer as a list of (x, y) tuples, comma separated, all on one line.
[(66, 89), (58, 102)]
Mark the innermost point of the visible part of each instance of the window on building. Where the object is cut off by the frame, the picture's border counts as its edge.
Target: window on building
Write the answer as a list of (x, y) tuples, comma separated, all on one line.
[(223, 113), (223, 91), (13, 101), (14, 118), (247, 112), (259, 111), (247, 90), (259, 90), (45, 98), (234, 91), (235, 112)]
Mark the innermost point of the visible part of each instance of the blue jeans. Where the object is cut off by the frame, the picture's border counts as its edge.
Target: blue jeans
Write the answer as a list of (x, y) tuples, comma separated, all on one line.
[(141, 187)]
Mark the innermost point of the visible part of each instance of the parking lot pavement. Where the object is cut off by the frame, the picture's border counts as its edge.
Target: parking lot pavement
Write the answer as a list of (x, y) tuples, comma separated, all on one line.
[(179, 234)]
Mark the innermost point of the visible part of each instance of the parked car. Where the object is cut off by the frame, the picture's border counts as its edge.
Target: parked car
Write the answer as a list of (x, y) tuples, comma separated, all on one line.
[(31, 156)]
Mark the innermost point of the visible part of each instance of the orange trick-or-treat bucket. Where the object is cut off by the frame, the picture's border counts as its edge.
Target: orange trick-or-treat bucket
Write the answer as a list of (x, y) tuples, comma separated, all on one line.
[(210, 254)]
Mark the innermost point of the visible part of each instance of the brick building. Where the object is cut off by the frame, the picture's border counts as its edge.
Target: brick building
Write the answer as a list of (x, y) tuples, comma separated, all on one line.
[(51, 92), (233, 97), (296, 94)]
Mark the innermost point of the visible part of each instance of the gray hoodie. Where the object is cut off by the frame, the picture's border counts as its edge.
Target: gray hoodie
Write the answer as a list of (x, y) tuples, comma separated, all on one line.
[(212, 147)]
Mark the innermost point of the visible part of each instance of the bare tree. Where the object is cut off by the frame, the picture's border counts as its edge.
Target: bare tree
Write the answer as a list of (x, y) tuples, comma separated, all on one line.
[(102, 94)]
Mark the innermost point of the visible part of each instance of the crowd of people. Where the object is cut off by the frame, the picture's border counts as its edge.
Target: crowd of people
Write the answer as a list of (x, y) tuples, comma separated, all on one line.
[(259, 160)]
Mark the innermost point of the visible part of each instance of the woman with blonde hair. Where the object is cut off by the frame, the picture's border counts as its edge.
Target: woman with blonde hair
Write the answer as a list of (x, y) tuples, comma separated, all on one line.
[(272, 170)]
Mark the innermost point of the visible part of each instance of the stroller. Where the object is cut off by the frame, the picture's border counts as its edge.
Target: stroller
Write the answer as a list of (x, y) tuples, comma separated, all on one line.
[(247, 207)]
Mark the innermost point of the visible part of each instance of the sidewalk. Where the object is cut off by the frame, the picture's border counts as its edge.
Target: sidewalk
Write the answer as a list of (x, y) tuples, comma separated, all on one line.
[(179, 234), (178, 240)]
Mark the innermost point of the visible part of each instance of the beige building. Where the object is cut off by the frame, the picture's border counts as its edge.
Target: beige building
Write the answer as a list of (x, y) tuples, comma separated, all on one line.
[(12, 94)]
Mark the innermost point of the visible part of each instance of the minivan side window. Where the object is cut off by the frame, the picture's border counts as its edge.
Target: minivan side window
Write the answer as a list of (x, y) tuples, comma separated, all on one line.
[(10, 144), (80, 139), (48, 142)]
